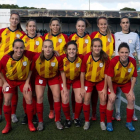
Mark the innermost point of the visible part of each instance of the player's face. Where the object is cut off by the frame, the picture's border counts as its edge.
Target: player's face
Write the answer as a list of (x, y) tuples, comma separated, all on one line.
[(96, 48), (55, 27), (14, 20), (80, 27), (125, 24), (102, 25), (31, 27), (123, 53), (71, 50), (18, 49), (47, 48)]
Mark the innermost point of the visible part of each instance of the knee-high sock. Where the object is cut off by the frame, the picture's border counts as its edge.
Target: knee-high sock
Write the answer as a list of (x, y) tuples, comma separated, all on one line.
[(129, 114), (118, 100), (73, 101), (86, 109), (1, 100), (7, 114), (29, 110), (34, 104), (66, 110), (102, 113), (39, 108), (109, 114), (14, 102), (78, 109), (50, 99), (57, 109)]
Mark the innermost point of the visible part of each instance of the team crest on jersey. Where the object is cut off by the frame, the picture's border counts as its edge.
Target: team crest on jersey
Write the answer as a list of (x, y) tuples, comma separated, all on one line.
[(25, 63), (17, 35), (37, 42), (109, 40), (52, 64), (40, 81), (77, 65), (86, 41), (130, 69), (59, 40), (130, 41), (101, 65)]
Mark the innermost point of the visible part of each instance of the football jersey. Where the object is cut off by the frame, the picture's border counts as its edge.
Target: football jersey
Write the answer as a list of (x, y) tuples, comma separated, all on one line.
[(72, 69), (122, 74), (108, 45), (94, 70), (7, 37), (47, 68), (16, 69), (33, 44), (59, 41), (83, 43)]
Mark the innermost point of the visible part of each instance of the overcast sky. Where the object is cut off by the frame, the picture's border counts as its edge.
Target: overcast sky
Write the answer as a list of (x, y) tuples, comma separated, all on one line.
[(76, 4)]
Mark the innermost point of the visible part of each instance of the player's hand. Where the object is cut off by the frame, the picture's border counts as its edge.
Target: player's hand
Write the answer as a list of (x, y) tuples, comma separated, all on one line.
[(56, 53), (131, 94), (112, 97), (26, 87), (104, 93), (82, 92), (65, 91), (5, 87)]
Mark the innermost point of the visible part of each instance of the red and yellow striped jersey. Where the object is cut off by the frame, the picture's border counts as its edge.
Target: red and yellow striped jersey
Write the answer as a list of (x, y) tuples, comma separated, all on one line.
[(47, 68), (59, 41), (16, 69), (108, 45), (94, 70), (72, 69), (122, 74), (83, 43), (33, 44), (7, 37)]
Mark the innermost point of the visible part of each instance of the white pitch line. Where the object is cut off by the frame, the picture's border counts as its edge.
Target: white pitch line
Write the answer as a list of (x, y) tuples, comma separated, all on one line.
[(125, 101)]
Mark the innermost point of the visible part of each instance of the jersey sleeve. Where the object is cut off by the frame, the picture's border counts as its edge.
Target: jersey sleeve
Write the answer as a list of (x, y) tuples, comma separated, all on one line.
[(60, 63), (70, 37), (23, 32), (42, 37), (30, 54), (66, 38), (137, 47), (4, 60), (45, 35), (1, 30), (110, 70), (22, 36), (93, 34), (107, 65), (81, 56), (135, 70), (33, 62), (83, 66)]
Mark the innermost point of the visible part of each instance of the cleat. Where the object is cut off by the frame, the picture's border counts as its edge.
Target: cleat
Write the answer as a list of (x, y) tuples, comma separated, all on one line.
[(35, 120), (118, 117), (113, 118), (130, 126), (25, 120), (86, 125), (32, 128), (77, 123), (138, 70), (94, 117), (134, 118), (14, 118), (51, 114), (67, 124), (6, 130), (0, 118), (40, 126), (59, 125), (109, 127), (102, 125)]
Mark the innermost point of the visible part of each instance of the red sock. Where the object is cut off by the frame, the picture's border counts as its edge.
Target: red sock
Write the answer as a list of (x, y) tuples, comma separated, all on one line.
[(39, 108), (7, 114), (50, 99), (73, 101), (86, 109), (57, 109), (29, 110), (66, 110), (94, 100), (129, 114), (78, 109), (102, 113), (24, 105), (1, 100), (34, 104), (109, 114), (14, 102)]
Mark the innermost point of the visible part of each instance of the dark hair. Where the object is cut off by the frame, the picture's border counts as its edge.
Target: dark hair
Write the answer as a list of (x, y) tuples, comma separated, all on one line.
[(85, 21), (27, 22), (19, 25), (16, 40), (123, 45), (128, 19), (42, 52), (103, 55), (69, 43)]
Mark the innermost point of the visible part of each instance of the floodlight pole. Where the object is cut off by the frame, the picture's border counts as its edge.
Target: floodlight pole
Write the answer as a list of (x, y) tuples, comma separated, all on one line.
[(89, 4)]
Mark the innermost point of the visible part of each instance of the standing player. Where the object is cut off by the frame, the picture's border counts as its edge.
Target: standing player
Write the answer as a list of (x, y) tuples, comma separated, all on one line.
[(122, 73), (132, 39), (59, 40), (107, 38), (48, 66), (93, 73), (32, 43), (7, 36), (72, 65), (14, 71)]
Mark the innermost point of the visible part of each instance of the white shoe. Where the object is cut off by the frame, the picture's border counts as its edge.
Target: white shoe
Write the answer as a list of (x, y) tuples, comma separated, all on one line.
[(102, 125), (59, 125), (14, 118), (134, 118), (86, 125), (118, 116)]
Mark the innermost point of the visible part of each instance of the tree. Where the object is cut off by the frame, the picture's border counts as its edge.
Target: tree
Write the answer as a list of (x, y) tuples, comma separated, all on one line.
[(127, 9)]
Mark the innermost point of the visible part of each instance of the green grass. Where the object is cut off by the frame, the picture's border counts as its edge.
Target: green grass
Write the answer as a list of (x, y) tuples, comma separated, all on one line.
[(21, 132)]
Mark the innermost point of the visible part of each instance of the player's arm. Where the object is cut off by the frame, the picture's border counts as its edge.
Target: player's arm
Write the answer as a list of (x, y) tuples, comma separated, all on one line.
[(137, 48), (82, 80)]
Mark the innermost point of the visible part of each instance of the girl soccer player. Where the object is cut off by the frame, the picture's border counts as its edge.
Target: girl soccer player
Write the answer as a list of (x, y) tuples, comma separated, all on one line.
[(93, 73), (14, 71), (48, 66), (72, 65), (59, 40), (122, 73), (7, 36)]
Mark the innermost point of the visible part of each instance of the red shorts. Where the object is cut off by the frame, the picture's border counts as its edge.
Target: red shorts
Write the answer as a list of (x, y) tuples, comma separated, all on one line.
[(124, 87), (89, 85), (75, 83), (13, 86), (43, 81)]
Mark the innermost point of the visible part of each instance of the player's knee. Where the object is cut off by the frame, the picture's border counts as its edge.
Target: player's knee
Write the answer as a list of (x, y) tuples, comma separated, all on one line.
[(7, 102)]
